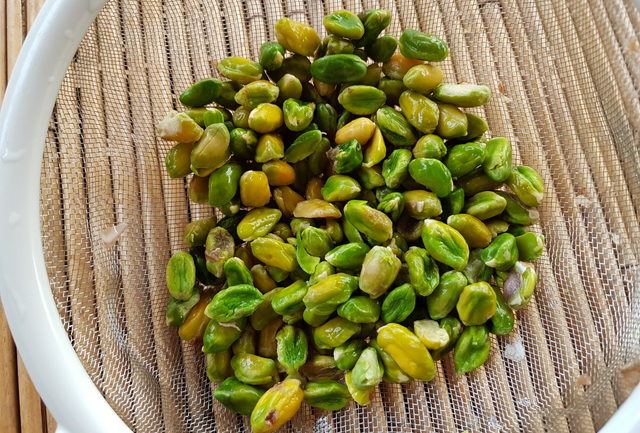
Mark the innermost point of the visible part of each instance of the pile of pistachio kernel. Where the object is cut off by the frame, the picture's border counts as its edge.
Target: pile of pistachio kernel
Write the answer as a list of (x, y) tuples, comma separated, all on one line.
[(370, 228)]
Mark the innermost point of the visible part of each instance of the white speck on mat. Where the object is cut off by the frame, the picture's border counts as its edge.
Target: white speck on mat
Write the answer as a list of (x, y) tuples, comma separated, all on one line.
[(524, 402), (584, 201), (322, 425), (494, 424), (110, 235), (615, 238), (583, 380), (515, 351)]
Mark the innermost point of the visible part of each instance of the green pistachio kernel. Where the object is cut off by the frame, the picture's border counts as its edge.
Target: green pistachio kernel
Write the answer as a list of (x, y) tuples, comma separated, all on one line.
[(339, 68), (395, 168), (326, 395), (433, 174), (445, 244), (340, 188), (462, 95), (360, 309), (423, 46), (476, 304), (271, 55), (181, 275), (237, 396), (501, 253), (394, 127), (472, 349), (362, 100), (240, 70), (297, 37), (421, 112), (399, 304)]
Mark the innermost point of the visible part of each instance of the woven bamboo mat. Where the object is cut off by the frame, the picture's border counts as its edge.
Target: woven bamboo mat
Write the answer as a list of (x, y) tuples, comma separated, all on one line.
[(578, 123)]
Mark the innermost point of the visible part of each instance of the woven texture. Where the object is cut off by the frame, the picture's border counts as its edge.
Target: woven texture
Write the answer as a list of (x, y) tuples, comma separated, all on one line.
[(565, 78)]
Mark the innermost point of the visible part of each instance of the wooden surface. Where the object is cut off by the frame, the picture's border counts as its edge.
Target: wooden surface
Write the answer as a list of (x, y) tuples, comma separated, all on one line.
[(20, 407)]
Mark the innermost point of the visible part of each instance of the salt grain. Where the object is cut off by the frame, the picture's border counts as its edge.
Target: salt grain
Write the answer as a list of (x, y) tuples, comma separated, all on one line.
[(515, 351)]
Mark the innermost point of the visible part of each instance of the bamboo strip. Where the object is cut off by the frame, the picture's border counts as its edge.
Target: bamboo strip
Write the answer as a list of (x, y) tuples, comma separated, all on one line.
[(394, 406), (599, 151), (418, 408), (439, 400), (163, 229), (80, 274), (372, 416), (238, 41), (9, 398), (14, 33), (4, 70), (185, 37), (614, 20), (101, 221), (482, 72), (515, 92), (458, 388), (216, 40), (273, 11), (30, 406), (347, 419), (586, 181), (32, 9), (127, 176), (625, 100), (51, 422), (570, 206), (632, 11)]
